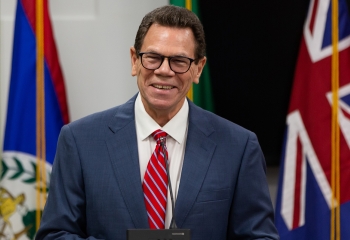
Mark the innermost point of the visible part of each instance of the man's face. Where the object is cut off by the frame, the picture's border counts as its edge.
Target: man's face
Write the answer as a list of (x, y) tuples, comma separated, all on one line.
[(162, 90)]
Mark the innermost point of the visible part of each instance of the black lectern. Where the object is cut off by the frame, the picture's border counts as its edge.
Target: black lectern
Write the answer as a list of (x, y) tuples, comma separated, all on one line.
[(163, 234)]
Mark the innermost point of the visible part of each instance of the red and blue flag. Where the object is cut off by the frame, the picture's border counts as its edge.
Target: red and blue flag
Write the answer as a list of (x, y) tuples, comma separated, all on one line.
[(37, 109), (307, 193)]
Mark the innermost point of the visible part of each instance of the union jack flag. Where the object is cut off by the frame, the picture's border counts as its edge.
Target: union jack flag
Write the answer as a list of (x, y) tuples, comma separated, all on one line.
[(304, 199)]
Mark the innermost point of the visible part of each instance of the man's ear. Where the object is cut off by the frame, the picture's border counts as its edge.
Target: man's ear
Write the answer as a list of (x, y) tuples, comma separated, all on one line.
[(134, 61), (199, 69)]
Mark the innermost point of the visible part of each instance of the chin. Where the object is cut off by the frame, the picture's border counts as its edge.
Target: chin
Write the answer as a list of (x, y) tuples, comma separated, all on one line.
[(162, 107)]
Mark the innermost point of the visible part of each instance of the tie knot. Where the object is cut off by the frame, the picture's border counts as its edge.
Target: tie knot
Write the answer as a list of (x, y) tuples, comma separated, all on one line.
[(159, 135)]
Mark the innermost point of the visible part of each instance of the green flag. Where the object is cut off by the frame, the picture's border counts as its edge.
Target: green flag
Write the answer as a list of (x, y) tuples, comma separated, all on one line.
[(201, 93)]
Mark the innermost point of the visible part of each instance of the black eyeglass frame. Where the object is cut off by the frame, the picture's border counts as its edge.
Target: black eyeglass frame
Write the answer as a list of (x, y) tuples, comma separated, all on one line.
[(169, 59)]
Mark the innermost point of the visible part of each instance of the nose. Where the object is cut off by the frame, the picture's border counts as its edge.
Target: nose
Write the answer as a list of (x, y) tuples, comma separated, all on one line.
[(165, 67)]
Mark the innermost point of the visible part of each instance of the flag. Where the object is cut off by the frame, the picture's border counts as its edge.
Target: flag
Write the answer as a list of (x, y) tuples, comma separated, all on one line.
[(200, 94), (37, 109), (313, 199)]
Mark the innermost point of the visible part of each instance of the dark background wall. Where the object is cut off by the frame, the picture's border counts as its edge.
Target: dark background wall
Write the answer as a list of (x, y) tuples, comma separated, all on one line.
[(252, 49)]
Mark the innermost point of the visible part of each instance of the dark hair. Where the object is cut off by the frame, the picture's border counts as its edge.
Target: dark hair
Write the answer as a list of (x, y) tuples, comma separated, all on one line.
[(173, 16)]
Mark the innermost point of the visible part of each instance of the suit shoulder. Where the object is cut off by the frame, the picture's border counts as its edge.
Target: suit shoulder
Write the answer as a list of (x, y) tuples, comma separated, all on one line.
[(100, 122)]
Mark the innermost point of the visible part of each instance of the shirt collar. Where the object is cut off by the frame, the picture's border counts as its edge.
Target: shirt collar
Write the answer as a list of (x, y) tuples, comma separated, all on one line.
[(146, 125)]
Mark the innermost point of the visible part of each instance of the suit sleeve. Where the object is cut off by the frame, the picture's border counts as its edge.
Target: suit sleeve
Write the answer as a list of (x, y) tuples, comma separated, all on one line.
[(64, 214), (251, 214)]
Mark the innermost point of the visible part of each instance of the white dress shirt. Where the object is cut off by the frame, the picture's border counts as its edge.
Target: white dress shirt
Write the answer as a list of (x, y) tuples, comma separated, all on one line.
[(176, 129)]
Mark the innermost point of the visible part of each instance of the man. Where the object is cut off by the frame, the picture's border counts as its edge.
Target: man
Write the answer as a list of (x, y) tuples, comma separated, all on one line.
[(105, 181)]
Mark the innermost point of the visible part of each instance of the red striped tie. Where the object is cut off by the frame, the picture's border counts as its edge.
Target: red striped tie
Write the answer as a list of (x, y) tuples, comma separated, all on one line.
[(155, 183)]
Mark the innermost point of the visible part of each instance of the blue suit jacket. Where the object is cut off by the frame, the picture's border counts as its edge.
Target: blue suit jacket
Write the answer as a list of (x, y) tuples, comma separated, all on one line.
[(96, 189)]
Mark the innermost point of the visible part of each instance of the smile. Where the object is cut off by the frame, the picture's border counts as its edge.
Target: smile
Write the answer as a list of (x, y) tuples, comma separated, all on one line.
[(162, 87)]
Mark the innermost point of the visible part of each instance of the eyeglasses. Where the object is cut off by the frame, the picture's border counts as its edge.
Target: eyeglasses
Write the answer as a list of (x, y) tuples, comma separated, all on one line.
[(177, 64)]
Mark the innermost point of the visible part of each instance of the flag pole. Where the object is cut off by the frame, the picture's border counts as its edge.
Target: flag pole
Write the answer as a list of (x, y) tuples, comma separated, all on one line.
[(188, 5), (40, 112), (335, 158)]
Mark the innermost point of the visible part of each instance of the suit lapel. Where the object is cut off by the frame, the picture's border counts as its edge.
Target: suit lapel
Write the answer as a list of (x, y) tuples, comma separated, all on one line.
[(198, 155), (122, 148)]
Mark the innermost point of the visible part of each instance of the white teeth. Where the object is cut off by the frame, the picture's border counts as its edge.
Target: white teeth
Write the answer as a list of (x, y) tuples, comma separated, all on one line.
[(162, 87)]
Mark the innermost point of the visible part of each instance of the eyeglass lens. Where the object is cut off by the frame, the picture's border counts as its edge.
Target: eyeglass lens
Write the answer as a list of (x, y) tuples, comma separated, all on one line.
[(177, 64)]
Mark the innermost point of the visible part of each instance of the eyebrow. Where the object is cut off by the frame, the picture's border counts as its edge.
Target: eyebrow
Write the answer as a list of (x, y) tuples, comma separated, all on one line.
[(177, 55)]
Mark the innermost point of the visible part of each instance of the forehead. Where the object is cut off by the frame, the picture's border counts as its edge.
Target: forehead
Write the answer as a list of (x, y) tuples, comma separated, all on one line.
[(169, 40)]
